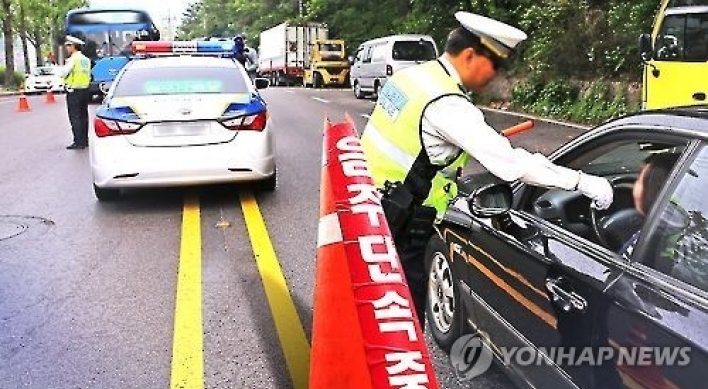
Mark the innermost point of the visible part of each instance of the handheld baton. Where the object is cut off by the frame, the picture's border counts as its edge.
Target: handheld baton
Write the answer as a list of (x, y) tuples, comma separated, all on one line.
[(519, 128)]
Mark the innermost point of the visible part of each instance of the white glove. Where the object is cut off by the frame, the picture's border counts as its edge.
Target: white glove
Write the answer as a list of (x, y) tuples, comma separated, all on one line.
[(596, 188)]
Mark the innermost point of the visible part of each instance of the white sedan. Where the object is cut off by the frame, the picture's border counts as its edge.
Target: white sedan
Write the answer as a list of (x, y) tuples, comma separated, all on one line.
[(177, 121), (42, 79)]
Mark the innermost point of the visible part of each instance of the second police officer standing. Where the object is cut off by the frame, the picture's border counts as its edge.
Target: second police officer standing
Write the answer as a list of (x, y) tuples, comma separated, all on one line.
[(77, 77), (424, 122)]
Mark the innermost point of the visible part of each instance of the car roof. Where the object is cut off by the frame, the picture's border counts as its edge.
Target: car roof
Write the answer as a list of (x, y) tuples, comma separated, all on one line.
[(183, 61), (401, 37), (693, 119)]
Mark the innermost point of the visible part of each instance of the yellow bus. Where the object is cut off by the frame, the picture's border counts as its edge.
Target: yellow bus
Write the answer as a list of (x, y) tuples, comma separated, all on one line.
[(675, 56)]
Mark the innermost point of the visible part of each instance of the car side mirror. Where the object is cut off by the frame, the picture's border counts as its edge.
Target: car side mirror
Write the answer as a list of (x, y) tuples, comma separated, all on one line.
[(350, 59), (261, 83), (490, 196), (645, 47)]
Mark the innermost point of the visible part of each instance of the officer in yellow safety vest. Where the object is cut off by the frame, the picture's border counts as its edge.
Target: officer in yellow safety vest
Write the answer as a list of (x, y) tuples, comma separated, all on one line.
[(425, 124), (77, 76)]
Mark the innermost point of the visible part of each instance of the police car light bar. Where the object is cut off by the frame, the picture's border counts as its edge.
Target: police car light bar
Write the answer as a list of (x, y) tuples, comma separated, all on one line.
[(182, 47)]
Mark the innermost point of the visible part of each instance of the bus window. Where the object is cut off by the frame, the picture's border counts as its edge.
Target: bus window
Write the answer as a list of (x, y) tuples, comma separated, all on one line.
[(683, 38)]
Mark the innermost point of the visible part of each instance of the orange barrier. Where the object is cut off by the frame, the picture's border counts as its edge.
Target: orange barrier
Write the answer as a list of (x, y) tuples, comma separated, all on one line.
[(23, 104), (519, 128), (50, 97), (365, 331)]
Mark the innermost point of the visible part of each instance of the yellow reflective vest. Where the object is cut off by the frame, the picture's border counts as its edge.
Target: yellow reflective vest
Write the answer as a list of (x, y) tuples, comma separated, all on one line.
[(80, 75), (392, 137)]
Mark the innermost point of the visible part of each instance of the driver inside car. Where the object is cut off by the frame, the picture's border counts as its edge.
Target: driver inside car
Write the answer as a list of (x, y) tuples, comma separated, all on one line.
[(652, 176)]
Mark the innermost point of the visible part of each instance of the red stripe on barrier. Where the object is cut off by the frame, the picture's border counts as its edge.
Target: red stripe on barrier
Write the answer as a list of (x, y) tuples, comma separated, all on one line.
[(391, 340)]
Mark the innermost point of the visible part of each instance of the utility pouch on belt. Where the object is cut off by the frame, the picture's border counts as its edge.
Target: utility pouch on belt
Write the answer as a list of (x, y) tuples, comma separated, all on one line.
[(405, 218), (397, 204)]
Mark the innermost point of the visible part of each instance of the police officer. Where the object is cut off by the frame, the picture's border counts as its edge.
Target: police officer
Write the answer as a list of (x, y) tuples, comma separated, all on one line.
[(77, 76), (425, 124)]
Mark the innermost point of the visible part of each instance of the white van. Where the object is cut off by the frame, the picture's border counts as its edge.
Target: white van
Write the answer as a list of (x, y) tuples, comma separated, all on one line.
[(380, 58)]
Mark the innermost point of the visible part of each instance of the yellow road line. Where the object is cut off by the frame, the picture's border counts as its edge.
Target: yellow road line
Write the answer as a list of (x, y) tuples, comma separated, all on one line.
[(287, 322), (188, 346)]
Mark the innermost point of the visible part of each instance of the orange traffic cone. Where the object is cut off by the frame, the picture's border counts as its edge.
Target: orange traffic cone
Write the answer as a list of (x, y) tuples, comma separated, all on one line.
[(50, 97), (364, 334), (336, 333), (23, 105)]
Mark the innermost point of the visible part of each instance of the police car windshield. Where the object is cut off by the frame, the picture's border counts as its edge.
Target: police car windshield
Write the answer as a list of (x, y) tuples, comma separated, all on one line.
[(180, 80)]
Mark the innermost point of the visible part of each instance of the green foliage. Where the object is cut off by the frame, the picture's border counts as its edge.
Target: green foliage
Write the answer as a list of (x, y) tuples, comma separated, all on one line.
[(17, 78), (564, 99), (580, 40)]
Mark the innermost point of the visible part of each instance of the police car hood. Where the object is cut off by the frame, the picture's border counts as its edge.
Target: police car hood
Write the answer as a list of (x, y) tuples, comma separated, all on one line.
[(180, 120)]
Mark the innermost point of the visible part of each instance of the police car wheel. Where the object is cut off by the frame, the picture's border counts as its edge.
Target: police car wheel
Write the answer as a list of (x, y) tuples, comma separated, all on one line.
[(444, 309), (269, 183), (106, 194)]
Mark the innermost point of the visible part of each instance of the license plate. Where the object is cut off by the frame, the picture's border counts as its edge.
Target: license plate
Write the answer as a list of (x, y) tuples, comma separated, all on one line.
[(180, 129)]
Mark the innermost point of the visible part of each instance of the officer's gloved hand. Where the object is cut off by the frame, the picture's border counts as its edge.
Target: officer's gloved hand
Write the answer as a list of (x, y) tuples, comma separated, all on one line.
[(596, 188)]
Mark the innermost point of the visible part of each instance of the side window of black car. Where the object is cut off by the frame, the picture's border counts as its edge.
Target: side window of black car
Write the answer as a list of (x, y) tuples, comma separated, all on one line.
[(678, 245)]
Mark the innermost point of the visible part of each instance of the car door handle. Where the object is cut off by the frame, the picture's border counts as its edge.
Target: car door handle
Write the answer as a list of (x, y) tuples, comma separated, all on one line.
[(564, 299)]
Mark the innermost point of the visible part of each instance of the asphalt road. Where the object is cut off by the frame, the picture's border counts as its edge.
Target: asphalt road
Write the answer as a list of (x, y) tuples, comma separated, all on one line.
[(89, 292)]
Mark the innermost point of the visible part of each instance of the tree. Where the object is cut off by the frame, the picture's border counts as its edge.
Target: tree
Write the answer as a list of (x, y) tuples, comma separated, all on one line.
[(9, 44)]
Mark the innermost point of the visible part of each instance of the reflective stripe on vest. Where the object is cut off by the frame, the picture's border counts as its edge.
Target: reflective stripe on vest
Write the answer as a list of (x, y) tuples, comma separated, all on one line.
[(392, 138), (80, 75)]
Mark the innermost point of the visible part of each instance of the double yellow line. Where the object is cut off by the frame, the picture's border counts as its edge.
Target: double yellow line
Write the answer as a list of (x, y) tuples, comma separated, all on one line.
[(188, 345)]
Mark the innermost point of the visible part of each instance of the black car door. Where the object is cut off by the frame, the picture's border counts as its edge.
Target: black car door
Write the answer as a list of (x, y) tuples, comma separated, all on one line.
[(661, 302), (538, 276), (537, 289)]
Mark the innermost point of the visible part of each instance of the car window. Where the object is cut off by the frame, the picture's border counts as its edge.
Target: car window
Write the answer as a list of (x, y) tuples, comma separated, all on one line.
[(678, 244), (420, 50), (367, 55), (618, 158), (180, 80)]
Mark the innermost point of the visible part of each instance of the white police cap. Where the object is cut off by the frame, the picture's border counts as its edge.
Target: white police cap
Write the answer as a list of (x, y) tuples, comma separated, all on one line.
[(73, 40), (499, 37)]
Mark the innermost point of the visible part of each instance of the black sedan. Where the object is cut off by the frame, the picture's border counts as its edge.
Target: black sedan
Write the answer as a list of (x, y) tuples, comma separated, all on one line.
[(566, 296)]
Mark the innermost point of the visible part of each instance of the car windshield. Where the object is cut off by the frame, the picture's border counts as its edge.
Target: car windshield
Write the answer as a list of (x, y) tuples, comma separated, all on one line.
[(48, 71), (180, 80), (421, 50)]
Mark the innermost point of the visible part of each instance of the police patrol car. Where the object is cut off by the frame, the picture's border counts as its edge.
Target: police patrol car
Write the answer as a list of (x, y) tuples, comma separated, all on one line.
[(183, 114)]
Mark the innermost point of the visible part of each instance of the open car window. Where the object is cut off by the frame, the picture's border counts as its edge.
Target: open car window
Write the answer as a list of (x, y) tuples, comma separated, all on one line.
[(619, 158)]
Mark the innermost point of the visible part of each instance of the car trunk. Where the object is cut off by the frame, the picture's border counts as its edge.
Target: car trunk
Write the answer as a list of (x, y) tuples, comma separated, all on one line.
[(182, 120)]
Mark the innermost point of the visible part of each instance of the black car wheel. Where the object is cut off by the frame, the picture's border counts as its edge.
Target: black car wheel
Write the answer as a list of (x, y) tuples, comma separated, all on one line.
[(106, 194), (357, 90), (318, 81), (444, 308), (269, 183)]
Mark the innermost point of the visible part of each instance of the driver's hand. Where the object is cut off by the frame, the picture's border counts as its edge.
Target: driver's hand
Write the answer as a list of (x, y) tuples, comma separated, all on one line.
[(596, 188)]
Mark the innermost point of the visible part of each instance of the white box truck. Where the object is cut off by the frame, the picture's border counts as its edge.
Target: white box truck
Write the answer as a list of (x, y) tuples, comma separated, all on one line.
[(302, 53)]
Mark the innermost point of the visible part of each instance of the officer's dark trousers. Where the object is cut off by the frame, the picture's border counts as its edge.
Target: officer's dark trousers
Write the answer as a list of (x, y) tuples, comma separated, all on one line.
[(77, 102), (412, 255)]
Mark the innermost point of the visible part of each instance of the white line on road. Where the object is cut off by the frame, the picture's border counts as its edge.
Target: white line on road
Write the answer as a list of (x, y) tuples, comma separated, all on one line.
[(289, 91), (320, 100)]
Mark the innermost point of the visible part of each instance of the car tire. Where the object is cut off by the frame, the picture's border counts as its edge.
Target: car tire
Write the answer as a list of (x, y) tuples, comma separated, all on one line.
[(443, 308), (318, 81), (106, 194), (269, 183), (375, 95), (357, 90)]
